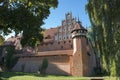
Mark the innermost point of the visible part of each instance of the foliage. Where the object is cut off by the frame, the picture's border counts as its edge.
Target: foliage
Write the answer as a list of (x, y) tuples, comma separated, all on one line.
[(1, 40), (10, 57), (26, 17), (104, 16), (43, 66)]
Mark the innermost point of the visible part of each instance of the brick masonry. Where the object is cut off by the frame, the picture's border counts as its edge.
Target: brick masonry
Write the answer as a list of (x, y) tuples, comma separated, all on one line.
[(59, 65)]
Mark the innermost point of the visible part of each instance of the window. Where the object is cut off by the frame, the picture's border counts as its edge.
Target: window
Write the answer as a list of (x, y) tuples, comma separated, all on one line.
[(58, 42), (64, 42), (64, 29), (60, 30), (69, 23), (48, 37), (69, 34), (67, 37), (51, 43), (71, 46), (69, 41), (88, 54), (64, 36), (59, 37), (56, 37), (68, 28)]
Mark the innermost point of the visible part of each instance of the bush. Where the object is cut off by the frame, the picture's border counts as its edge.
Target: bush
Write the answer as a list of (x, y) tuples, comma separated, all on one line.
[(10, 58), (44, 66), (100, 72)]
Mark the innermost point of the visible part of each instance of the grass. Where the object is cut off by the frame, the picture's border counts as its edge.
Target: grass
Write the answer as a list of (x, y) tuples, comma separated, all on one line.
[(35, 76)]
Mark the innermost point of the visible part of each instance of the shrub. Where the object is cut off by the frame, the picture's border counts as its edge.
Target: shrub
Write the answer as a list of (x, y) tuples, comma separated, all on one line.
[(10, 58), (44, 66)]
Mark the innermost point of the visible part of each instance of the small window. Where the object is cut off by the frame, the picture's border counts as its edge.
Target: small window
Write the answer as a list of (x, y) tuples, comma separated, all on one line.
[(69, 41), (64, 42), (51, 43), (67, 37), (88, 54), (71, 46), (58, 42), (48, 37)]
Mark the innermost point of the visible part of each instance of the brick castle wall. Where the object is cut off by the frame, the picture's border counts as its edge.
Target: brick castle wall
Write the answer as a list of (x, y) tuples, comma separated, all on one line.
[(56, 45), (58, 65)]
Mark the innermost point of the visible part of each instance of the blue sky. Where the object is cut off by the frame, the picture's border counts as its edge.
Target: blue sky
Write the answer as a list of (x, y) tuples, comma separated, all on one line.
[(77, 7)]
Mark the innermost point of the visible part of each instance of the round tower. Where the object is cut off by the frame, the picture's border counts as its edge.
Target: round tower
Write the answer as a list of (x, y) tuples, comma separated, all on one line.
[(80, 57), (78, 33)]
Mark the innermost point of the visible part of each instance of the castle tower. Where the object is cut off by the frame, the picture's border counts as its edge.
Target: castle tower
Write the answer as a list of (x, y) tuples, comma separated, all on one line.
[(80, 57)]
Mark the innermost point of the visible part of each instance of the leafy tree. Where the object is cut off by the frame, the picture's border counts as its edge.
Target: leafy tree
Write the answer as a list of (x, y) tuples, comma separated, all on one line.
[(10, 58), (25, 16), (104, 16)]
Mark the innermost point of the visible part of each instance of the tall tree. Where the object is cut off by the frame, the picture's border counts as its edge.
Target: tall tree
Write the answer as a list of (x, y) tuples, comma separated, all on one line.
[(104, 16), (25, 16)]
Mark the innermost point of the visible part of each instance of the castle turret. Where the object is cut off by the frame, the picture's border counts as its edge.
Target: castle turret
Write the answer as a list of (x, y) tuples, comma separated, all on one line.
[(77, 34), (80, 57)]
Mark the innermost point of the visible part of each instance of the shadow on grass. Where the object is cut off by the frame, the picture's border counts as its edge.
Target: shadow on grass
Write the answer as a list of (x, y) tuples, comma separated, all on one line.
[(7, 75)]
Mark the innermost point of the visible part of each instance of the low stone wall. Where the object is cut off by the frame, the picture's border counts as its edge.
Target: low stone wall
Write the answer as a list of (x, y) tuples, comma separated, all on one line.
[(58, 65)]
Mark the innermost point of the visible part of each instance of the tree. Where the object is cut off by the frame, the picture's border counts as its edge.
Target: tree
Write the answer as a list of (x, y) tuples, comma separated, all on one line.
[(104, 16), (25, 16), (8, 57)]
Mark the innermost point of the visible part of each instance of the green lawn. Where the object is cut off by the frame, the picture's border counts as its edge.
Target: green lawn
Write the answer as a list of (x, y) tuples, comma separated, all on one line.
[(34, 76)]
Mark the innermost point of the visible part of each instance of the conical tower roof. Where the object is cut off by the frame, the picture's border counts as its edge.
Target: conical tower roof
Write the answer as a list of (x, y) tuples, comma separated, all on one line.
[(78, 26)]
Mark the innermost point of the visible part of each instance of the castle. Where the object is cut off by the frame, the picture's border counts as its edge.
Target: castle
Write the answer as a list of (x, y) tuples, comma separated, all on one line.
[(66, 48)]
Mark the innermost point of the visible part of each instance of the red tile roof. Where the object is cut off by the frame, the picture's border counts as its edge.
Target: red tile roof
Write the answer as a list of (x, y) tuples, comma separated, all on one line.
[(50, 32)]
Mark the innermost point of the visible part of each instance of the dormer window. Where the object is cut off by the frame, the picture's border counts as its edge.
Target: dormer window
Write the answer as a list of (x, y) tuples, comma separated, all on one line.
[(48, 37)]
